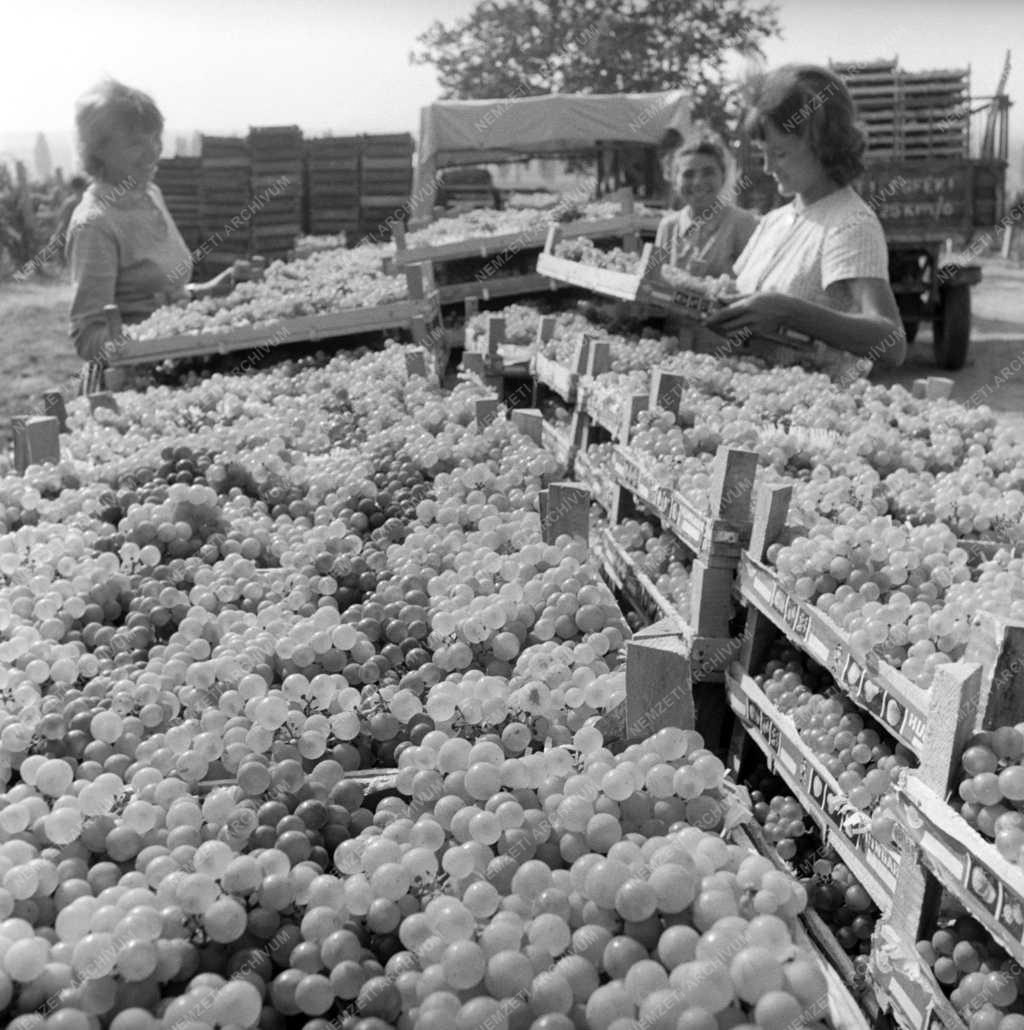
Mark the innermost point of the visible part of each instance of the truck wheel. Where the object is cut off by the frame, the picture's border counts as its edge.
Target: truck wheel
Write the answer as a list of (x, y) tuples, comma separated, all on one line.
[(952, 327)]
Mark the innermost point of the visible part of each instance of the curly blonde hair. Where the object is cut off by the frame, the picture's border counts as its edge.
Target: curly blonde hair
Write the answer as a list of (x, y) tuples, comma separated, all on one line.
[(106, 108)]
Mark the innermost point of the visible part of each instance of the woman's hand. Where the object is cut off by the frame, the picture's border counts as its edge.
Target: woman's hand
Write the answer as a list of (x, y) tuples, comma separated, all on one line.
[(759, 314)]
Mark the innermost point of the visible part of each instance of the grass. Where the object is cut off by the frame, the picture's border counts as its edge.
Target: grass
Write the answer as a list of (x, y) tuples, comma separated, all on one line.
[(36, 353)]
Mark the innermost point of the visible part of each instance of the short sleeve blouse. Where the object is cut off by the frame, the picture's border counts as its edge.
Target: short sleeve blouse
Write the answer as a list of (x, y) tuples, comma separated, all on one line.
[(807, 251)]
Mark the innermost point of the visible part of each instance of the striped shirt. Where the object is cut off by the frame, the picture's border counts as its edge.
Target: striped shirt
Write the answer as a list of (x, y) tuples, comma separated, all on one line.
[(123, 248)]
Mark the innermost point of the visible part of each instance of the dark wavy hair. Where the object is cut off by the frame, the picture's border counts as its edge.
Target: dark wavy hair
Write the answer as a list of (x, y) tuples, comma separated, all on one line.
[(108, 106), (813, 103)]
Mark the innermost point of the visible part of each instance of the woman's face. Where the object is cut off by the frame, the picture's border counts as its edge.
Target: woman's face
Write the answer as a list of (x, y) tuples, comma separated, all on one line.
[(788, 158), (699, 181), (130, 158)]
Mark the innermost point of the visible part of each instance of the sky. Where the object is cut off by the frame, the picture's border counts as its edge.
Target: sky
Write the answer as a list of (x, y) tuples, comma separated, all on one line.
[(342, 65)]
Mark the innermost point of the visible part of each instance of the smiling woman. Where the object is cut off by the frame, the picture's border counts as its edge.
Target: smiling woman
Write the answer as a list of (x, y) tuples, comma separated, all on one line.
[(818, 265), (123, 246)]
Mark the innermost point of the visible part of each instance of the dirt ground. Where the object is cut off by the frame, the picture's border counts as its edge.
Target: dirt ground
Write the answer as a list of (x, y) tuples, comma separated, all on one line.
[(997, 343), (36, 354)]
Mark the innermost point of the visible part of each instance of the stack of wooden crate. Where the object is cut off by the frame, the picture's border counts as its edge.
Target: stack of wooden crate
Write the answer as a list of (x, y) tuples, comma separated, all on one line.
[(225, 170), (178, 179), (332, 185), (385, 181), (276, 189), (910, 115)]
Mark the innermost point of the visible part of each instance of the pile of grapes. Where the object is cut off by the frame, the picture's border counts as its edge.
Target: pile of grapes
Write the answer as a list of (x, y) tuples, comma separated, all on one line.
[(523, 218), (584, 250), (219, 612), (325, 281)]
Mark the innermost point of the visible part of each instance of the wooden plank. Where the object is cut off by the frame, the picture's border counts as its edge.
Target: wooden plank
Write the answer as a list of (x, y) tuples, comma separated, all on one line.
[(304, 329), (769, 519), (103, 399), (558, 443), (528, 239), (667, 389), (415, 362), (485, 411), (998, 646), (556, 377), (36, 441), (608, 282), (710, 599), (53, 405), (498, 286), (529, 422), (568, 513), (658, 688), (732, 482)]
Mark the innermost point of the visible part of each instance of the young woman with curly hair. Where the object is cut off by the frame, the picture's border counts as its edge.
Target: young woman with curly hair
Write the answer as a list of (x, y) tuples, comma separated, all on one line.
[(819, 264)]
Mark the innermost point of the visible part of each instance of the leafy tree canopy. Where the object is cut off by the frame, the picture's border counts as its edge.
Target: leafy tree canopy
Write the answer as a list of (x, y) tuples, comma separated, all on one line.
[(511, 48)]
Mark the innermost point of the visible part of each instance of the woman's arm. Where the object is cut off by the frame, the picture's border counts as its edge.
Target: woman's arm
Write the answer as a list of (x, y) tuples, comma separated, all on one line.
[(872, 330), (93, 262)]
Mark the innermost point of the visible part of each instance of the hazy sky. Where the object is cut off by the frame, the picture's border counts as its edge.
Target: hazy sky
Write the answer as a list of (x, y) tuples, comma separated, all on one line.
[(342, 65)]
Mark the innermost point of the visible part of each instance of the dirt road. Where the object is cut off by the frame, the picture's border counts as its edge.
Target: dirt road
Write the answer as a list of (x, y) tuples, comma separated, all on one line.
[(997, 343)]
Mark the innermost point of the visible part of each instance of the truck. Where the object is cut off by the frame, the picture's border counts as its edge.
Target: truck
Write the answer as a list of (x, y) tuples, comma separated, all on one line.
[(935, 172)]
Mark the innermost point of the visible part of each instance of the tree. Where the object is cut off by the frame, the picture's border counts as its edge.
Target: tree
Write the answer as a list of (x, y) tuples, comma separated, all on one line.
[(44, 163), (518, 48)]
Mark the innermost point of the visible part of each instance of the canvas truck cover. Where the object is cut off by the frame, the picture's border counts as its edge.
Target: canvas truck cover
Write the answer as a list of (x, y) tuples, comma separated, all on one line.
[(454, 132)]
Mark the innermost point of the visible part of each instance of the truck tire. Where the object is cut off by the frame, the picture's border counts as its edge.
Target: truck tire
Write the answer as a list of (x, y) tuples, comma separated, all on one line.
[(952, 326)]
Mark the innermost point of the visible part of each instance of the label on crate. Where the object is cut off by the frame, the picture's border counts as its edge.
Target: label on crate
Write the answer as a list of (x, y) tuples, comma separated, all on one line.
[(851, 825), (981, 885), (861, 679), (796, 618), (764, 724)]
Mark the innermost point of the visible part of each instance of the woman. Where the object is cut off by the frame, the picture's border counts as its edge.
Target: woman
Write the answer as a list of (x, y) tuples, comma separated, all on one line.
[(708, 234), (123, 247), (818, 265)]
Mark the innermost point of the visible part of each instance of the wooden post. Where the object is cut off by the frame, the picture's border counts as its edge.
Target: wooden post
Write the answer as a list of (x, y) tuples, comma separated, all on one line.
[(546, 328), (53, 405), (103, 399), (529, 422), (952, 716), (771, 508), (581, 358), (667, 390), (36, 441), (630, 239), (495, 338), (599, 357), (420, 280), (398, 235), (919, 389), (634, 405), (568, 512), (710, 599), (554, 235), (485, 411), (659, 692), (415, 362), (732, 483), (998, 646)]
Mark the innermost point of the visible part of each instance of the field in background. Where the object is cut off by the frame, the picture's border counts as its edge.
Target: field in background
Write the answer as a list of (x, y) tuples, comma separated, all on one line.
[(36, 353)]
